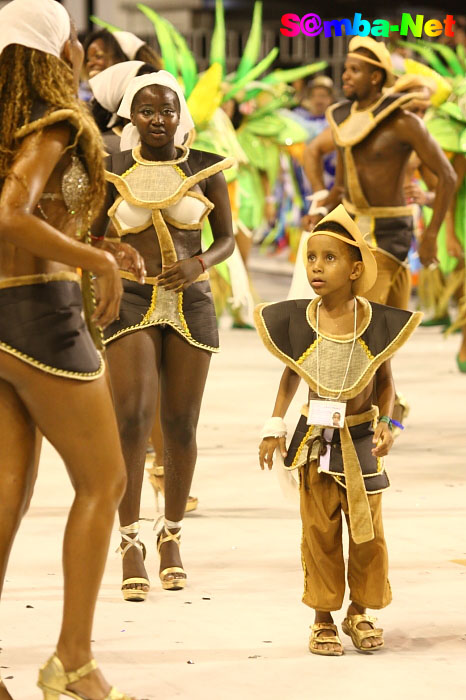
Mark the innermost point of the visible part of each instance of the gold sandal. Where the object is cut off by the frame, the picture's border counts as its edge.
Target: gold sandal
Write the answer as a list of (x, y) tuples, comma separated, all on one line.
[(134, 595), (178, 582), (316, 638), (156, 476), (350, 627), (53, 681)]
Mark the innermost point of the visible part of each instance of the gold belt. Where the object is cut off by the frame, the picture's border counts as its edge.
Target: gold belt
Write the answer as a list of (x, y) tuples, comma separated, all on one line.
[(379, 212), (40, 278), (153, 280), (358, 503)]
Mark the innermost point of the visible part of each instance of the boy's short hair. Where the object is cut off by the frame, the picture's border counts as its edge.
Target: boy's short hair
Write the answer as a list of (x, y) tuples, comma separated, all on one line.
[(334, 227)]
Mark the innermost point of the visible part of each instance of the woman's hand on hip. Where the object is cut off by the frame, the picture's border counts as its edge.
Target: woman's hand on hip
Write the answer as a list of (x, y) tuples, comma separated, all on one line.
[(108, 288), (180, 275), (127, 258)]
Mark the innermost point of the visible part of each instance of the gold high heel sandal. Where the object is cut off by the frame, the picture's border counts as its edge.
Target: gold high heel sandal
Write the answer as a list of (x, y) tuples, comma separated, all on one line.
[(178, 582), (156, 476), (53, 680), (135, 595)]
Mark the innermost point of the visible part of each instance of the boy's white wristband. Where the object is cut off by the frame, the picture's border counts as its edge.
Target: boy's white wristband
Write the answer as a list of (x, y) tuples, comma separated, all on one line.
[(274, 427)]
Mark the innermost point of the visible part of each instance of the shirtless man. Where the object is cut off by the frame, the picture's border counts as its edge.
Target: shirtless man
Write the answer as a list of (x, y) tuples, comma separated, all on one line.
[(375, 137)]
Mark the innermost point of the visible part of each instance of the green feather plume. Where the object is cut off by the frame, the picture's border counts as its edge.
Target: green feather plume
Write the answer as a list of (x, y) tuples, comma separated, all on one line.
[(447, 54), (105, 25), (252, 74), (186, 61), (291, 74), (164, 37), (217, 46), (253, 44), (461, 53), (429, 55)]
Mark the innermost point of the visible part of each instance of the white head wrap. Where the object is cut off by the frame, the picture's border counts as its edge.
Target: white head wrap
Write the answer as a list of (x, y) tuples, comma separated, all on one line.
[(43, 25), (108, 86), (130, 135), (129, 43)]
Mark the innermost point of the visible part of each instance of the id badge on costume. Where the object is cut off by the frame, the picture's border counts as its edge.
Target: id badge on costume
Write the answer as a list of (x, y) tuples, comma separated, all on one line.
[(329, 414)]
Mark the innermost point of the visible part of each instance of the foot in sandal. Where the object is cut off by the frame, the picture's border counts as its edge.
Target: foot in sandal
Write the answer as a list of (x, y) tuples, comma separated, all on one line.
[(324, 638), (362, 630)]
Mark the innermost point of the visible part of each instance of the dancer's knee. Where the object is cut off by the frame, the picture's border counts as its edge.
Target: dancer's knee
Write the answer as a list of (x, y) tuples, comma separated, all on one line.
[(133, 424), (180, 428)]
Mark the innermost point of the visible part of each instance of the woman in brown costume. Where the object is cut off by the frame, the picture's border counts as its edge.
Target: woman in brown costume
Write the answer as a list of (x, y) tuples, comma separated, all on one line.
[(50, 372), (167, 331)]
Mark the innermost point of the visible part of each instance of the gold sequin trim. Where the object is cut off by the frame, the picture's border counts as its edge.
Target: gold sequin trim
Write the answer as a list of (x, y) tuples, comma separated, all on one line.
[(84, 376), (366, 349), (130, 170), (310, 349), (301, 445), (179, 171)]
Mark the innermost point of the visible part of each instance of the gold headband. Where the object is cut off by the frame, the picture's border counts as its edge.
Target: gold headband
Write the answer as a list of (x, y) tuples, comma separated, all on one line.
[(369, 60), (350, 241)]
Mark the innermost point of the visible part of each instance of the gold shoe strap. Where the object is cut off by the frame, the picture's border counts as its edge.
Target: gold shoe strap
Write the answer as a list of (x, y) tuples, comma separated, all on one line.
[(74, 676), (169, 536), (126, 531)]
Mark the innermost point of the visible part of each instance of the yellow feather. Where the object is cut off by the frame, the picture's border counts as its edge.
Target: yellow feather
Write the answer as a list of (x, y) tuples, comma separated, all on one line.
[(443, 86), (207, 95)]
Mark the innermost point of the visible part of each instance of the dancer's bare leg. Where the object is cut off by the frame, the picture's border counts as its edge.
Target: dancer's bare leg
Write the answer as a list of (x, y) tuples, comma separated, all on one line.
[(134, 362), (183, 376), (17, 474), (78, 419), (156, 436)]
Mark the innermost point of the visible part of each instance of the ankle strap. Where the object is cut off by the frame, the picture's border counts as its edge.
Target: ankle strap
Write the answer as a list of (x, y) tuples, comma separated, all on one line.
[(130, 529), (163, 524), (126, 531)]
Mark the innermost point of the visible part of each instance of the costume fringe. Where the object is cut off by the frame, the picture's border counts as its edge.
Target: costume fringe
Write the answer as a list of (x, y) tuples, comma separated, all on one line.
[(430, 289)]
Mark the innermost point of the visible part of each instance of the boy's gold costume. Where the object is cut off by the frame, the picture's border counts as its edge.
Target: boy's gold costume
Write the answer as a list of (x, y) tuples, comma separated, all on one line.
[(354, 479)]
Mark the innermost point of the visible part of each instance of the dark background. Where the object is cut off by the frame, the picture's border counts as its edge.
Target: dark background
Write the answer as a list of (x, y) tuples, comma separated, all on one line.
[(342, 8)]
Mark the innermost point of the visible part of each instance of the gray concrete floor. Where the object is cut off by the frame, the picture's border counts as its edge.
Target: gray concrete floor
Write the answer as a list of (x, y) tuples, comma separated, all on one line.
[(239, 628)]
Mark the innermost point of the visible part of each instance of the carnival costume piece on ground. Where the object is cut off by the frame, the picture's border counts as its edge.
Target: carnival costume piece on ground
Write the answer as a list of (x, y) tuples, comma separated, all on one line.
[(446, 122), (51, 175), (337, 470), (169, 197), (389, 229)]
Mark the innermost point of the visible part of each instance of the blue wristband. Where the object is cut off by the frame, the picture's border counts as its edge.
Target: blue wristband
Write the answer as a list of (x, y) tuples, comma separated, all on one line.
[(397, 424)]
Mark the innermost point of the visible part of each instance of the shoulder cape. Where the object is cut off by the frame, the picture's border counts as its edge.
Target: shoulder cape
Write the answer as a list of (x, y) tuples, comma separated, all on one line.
[(351, 127), (287, 331)]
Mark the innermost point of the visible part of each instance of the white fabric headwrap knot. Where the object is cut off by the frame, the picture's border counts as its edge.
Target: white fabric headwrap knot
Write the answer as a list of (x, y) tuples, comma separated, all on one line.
[(43, 25), (129, 43), (108, 86), (130, 135)]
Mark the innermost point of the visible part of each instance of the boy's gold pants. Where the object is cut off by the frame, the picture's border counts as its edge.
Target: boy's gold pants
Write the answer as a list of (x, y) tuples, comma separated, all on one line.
[(322, 550)]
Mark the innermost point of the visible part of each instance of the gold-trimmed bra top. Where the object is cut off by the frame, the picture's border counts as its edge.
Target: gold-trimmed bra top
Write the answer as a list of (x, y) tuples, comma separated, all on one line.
[(160, 185), (74, 187)]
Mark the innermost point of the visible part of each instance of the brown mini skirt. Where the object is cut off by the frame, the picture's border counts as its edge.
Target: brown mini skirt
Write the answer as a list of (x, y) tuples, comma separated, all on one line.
[(43, 325), (190, 313)]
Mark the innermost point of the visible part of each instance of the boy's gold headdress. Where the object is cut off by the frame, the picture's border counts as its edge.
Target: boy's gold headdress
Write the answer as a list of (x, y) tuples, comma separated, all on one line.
[(339, 215)]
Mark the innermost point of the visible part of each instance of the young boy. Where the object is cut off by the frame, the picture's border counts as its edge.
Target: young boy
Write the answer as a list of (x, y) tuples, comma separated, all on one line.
[(341, 345)]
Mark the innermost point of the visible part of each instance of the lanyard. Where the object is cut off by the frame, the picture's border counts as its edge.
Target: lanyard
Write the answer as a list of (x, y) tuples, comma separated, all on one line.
[(350, 357)]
